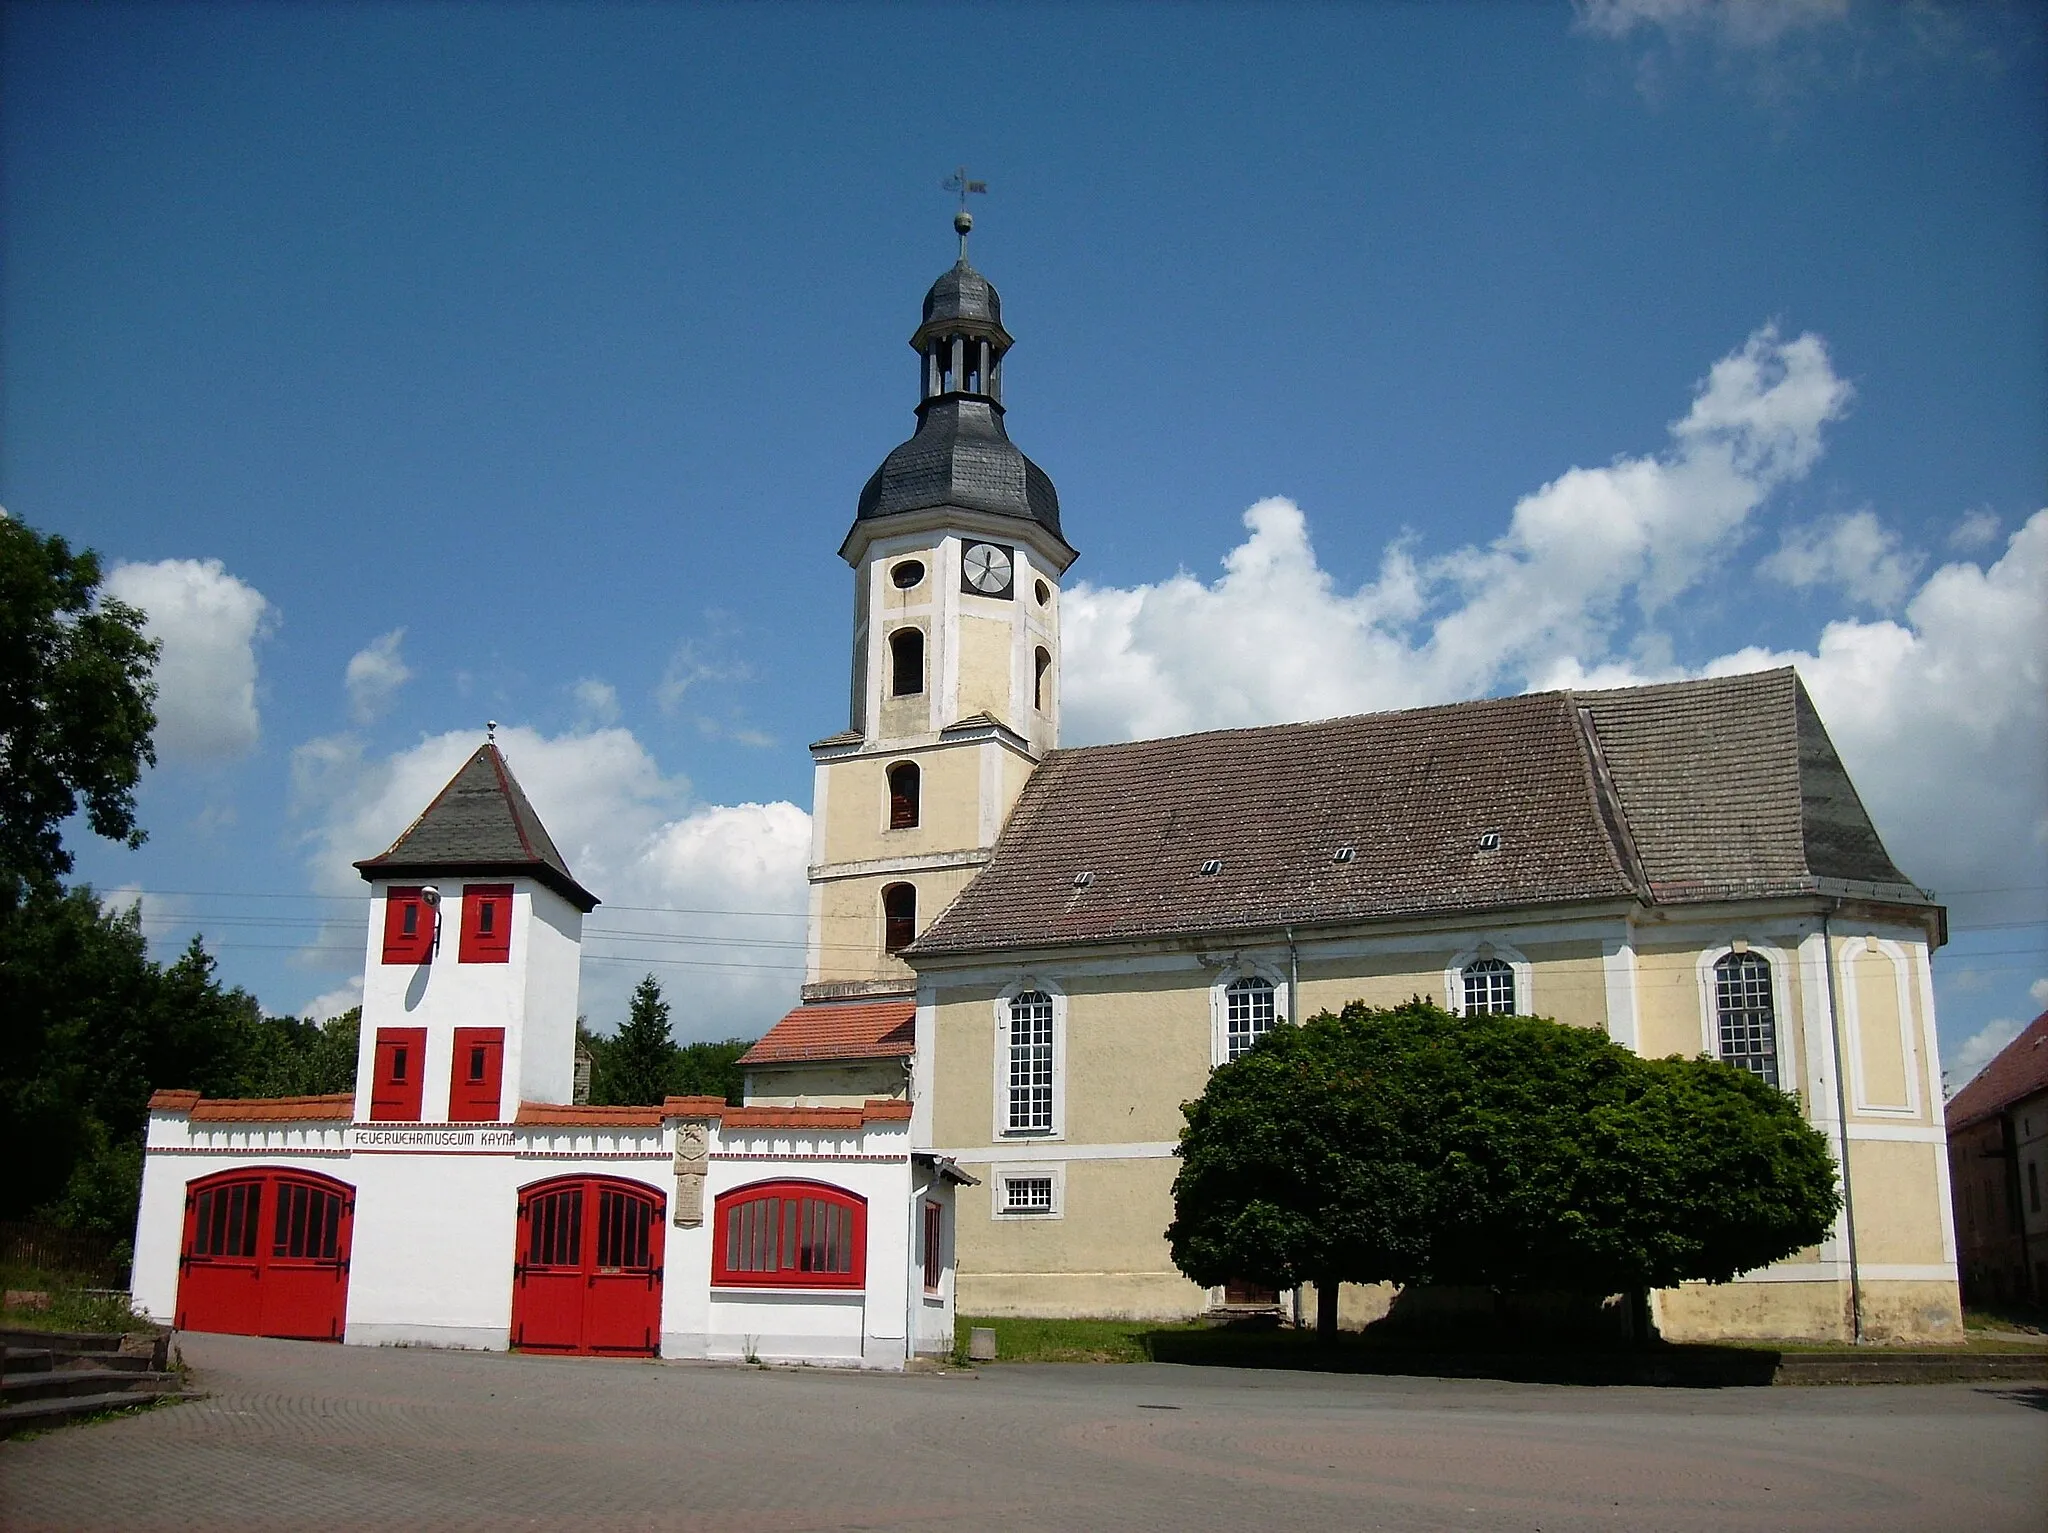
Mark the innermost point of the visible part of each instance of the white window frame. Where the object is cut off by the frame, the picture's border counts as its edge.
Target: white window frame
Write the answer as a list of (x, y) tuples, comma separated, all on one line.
[(1781, 994), (1490, 947), (1219, 1001), (1852, 1026), (1001, 1072), (1052, 1171)]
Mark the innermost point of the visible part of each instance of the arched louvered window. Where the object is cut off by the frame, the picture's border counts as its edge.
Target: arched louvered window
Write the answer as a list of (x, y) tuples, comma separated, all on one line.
[(903, 786), (1247, 1013), (899, 917), (1489, 987), (1746, 1014), (906, 662)]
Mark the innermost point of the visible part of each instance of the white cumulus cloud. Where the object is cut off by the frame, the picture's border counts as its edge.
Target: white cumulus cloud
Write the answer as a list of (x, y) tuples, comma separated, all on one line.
[(375, 673), (708, 898), (1592, 551), (1855, 553), (597, 701), (1745, 23), (209, 624), (1977, 1051)]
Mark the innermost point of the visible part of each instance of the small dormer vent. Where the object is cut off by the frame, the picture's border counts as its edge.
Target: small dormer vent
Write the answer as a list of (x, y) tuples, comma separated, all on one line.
[(1212, 867), (1344, 854), (1489, 841), (1083, 879)]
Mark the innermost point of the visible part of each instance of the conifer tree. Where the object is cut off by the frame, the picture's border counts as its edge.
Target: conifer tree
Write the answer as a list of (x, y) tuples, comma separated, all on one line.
[(640, 1061)]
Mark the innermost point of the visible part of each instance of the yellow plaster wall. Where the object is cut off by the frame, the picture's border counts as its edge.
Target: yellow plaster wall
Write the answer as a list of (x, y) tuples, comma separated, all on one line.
[(1568, 982), (857, 806), (911, 714), (1893, 1312), (850, 911), (1107, 1256), (985, 674), (1880, 1044), (1667, 998), (824, 1085), (1897, 1188), (1137, 1047)]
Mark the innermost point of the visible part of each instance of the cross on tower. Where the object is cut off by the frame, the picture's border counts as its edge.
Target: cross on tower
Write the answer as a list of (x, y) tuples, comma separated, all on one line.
[(963, 220)]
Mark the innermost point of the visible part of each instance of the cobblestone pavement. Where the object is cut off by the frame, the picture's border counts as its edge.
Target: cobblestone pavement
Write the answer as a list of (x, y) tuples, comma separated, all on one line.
[(305, 1437)]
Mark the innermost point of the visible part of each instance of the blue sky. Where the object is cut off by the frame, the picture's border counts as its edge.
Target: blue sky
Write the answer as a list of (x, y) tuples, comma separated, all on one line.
[(427, 365)]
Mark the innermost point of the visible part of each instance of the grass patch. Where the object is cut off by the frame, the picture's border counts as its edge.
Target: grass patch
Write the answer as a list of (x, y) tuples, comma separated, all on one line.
[(1067, 1341), (2025, 1318), (75, 1303)]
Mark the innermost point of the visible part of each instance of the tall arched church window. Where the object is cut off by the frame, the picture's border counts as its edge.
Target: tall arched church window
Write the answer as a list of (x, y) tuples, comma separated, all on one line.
[(1746, 1014), (1247, 1013), (1041, 667), (1031, 1063), (899, 917), (1489, 988), (903, 786), (906, 662)]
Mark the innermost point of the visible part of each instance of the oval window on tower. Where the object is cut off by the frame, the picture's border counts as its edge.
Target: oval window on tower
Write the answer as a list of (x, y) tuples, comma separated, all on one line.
[(907, 574), (1043, 592)]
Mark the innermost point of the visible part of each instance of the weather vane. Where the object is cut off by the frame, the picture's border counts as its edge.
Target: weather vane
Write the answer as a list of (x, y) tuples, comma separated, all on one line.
[(963, 220)]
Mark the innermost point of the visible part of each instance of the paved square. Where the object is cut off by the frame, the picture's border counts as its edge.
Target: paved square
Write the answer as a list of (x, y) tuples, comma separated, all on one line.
[(302, 1437)]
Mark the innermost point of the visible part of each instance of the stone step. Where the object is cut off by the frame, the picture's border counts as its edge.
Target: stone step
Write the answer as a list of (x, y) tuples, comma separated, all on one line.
[(26, 1360), (48, 1413), (60, 1341), (60, 1382)]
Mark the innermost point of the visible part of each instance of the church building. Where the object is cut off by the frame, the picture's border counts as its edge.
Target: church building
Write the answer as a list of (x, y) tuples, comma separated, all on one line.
[(1044, 951)]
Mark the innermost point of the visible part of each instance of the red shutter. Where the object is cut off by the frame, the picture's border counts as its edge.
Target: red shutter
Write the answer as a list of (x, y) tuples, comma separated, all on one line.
[(400, 1067), (476, 1074), (486, 923), (408, 927)]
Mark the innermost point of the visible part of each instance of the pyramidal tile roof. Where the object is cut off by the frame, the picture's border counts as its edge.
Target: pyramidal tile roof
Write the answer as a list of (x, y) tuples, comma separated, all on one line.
[(480, 824)]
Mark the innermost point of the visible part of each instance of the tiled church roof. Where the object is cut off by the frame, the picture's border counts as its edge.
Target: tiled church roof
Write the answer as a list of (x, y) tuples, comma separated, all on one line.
[(838, 1030), (480, 824), (1669, 794)]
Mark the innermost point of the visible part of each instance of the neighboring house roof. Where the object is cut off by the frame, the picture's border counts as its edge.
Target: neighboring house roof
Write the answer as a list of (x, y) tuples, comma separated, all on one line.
[(479, 824), (837, 1030), (1685, 792), (2020, 1069)]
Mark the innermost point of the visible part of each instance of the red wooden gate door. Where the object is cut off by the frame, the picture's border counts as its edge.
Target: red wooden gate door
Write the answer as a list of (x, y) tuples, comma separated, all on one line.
[(586, 1277), (266, 1254)]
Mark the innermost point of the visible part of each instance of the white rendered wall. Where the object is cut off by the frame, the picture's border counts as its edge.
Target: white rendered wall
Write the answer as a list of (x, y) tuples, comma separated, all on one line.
[(532, 996), (436, 1227)]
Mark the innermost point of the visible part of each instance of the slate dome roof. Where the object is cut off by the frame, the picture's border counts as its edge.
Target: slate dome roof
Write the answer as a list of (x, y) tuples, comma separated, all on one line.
[(963, 293)]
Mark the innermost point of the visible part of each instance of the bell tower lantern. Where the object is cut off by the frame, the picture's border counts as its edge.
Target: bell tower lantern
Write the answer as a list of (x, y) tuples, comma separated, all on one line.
[(957, 556)]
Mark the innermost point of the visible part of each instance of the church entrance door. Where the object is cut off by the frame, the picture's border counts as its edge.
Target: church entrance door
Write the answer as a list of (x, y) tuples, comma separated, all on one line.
[(266, 1254), (586, 1277)]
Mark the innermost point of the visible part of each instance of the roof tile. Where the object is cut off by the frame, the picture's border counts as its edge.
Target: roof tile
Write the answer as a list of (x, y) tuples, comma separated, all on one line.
[(837, 1030), (2020, 1069)]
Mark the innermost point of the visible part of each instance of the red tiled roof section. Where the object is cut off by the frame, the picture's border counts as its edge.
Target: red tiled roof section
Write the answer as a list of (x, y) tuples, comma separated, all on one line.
[(694, 1107), (173, 1101), (341, 1105), (874, 1110), (838, 1030), (2018, 1070), (562, 1115)]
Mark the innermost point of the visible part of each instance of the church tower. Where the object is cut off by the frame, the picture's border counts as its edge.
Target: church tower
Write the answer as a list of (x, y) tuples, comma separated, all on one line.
[(957, 557)]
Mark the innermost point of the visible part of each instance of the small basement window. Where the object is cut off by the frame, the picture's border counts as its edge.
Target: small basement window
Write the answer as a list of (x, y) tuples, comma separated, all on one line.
[(1028, 1195), (790, 1235)]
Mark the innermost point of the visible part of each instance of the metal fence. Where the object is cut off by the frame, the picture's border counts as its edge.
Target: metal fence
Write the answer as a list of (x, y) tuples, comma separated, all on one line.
[(100, 1260)]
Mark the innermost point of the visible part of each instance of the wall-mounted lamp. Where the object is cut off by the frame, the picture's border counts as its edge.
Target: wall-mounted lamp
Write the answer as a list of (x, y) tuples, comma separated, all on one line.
[(430, 896)]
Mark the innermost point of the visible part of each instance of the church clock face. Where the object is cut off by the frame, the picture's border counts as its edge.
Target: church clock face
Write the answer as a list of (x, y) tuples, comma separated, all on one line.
[(987, 569)]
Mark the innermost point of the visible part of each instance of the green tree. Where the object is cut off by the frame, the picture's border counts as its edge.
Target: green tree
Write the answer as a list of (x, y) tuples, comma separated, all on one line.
[(1412, 1146), (75, 714), (711, 1070), (640, 1060)]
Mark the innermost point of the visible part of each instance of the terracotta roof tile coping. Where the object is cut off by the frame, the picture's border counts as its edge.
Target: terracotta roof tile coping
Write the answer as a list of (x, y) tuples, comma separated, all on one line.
[(827, 1030), (173, 1101), (341, 1105), (2018, 1070)]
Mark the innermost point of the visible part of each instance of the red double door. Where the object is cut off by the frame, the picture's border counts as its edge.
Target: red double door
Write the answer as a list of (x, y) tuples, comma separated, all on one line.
[(587, 1274), (266, 1254)]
